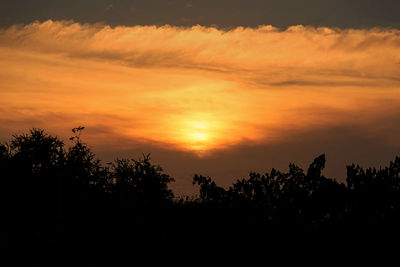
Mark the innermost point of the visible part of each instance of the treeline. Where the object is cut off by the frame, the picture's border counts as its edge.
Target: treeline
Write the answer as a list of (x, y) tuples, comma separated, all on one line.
[(53, 196)]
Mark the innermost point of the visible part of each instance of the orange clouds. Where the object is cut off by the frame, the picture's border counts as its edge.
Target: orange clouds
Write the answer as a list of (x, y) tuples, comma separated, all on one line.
[(195, 88)]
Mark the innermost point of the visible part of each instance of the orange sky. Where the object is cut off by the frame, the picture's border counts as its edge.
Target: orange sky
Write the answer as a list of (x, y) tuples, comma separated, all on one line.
[(195, 89)]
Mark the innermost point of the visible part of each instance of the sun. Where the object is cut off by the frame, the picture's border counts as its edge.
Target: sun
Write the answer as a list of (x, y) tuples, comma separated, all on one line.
[(197, 135), (200, 133)]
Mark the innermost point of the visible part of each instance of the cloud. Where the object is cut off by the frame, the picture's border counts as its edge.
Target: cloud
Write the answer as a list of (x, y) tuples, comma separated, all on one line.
[(197, 88)]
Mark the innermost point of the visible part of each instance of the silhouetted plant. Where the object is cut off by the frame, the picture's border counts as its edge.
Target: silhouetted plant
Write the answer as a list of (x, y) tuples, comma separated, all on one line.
[(83, 166), (375, 194), (33, 175), (141, 182), (209, 191), (278, 197), (46, 187)]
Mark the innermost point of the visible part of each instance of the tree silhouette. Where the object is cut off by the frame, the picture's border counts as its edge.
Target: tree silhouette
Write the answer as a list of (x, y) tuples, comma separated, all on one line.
[(53, 196), (32, 166), (140, 182)]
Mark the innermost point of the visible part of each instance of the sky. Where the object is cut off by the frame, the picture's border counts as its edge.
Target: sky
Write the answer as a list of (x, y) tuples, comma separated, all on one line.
[(218, 88)]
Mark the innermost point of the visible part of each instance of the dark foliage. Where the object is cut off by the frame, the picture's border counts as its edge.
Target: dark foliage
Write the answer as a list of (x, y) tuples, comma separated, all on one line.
[(56, 197)]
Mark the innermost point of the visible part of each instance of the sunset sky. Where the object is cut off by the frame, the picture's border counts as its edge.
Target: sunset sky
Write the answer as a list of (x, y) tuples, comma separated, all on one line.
[(219, 88)]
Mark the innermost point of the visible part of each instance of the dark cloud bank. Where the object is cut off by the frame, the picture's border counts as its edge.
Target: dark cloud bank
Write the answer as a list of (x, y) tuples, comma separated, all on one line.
[(224, 13)]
